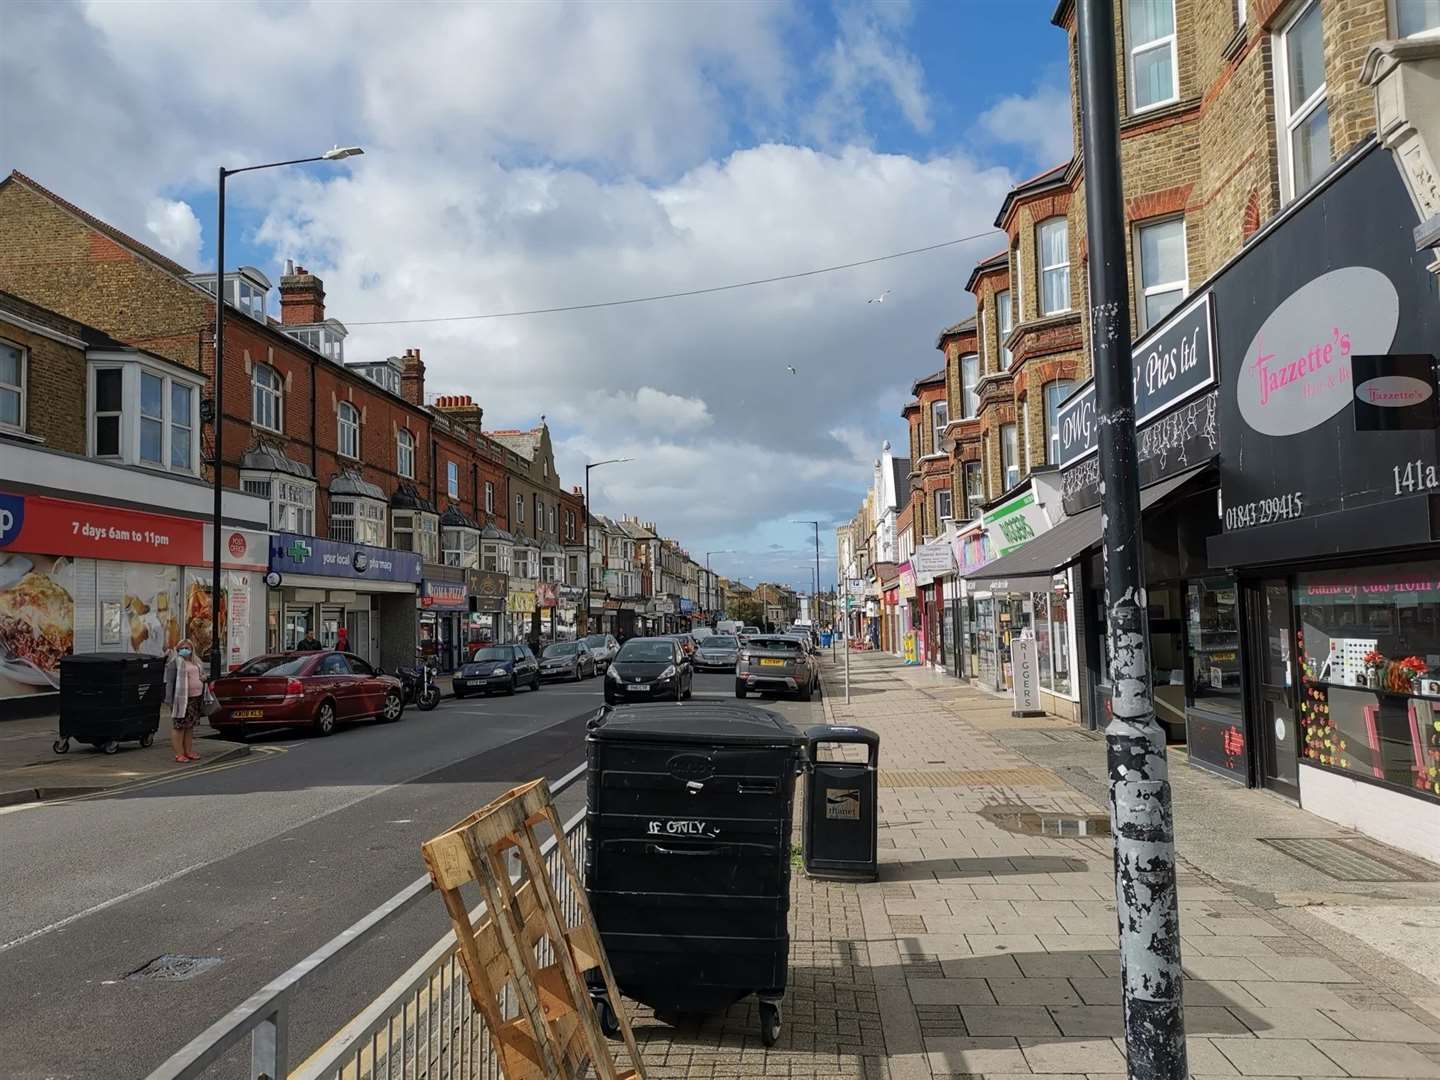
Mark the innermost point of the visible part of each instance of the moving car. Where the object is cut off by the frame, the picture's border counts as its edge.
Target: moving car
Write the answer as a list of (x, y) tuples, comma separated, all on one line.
[(686, 642), (318, 689), (603, 648), (497, 667), (567, 660), (717, 652), (649, 668), (700, 633), (775, 662)]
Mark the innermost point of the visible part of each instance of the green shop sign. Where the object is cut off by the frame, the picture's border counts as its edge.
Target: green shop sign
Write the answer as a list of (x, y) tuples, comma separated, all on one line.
[(1015, 523)]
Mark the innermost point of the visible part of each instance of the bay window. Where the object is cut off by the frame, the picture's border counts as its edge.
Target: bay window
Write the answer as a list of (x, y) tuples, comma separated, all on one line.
[(1302, 113), (1415, 16), (1004, 324), (1053, 243), (265, 397), (1009, 456), (969, 386), (143, 414), (974, 490), (495, 556), (355, 520), (417, 531), (939, 417), (1153, 74), (1055, 393), (292, 501), (460, 547), (944, 510), (550, 566), (1161, 276)]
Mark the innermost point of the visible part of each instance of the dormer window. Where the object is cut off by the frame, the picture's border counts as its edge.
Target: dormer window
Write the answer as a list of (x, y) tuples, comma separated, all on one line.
[(245, 289), (328, 339)]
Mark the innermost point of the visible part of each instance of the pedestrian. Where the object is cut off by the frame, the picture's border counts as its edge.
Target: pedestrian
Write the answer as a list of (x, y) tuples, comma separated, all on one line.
[(308, 643), (185, 695), (342, 639)]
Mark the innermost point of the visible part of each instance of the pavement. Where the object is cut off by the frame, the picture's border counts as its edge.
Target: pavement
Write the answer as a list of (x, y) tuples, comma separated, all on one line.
[(984, 951)]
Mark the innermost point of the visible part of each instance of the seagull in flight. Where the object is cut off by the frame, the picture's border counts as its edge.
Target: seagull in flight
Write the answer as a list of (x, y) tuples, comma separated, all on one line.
[(878, 299), (791, 369)]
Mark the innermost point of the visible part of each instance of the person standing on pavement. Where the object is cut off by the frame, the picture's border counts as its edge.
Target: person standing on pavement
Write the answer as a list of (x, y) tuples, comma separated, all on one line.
[(186, 692), (308, 643), (342, 640)]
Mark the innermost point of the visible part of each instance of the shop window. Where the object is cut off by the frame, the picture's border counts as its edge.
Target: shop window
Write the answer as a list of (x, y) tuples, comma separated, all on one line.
[(1040, 606), (144, 415), (405, 454), (1414, 16), (265, 389), (416, 531), (1369, 687), (1003, 319), (939, 417), (348, 438), (12, 386), (357, 521), (1302, 113), (1214, 719), (1160, 270), (1152, 71), (1053, 241), (1009, 455), (969, 386), (1055, 393)]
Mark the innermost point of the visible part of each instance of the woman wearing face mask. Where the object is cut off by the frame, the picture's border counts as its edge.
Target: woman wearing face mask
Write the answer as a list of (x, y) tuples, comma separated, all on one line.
[(185, 704)]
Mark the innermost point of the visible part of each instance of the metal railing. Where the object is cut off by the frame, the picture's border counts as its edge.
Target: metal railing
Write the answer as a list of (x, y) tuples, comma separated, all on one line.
[(421, 1028)]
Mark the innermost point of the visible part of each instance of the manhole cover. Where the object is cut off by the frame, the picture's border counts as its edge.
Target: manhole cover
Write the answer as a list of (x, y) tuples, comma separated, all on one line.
[(174, 968), (1345, 859), (1018, 818)]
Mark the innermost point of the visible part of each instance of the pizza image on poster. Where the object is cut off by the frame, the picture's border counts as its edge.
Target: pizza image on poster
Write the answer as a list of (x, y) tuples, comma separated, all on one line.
[(37, 622), (200, 619)]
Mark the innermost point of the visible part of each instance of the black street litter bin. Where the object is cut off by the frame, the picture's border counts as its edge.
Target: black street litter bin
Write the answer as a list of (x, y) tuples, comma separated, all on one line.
[(687, 856), (842, 807), (110, 698)]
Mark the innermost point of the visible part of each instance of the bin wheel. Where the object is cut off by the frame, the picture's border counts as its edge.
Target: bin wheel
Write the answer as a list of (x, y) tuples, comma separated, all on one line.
[(609, 1022), (147, 740), (110, 747), (61, 746), (769, 1022)]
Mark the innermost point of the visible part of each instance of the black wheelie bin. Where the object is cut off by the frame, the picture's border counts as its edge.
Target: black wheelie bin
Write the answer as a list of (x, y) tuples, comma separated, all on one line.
[(110, 698), (687, 856)]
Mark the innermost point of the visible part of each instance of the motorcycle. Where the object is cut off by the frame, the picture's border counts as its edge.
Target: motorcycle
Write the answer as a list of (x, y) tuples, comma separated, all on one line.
[(419, 686)]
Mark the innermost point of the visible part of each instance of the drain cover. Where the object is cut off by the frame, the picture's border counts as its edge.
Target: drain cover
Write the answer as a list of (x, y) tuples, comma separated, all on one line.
[(1345, 859), (174, 968), (1018, 818)]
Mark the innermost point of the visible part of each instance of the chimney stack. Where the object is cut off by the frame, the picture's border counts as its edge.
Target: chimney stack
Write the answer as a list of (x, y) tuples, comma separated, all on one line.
[(302, 297), (460, 407), (412, 378)]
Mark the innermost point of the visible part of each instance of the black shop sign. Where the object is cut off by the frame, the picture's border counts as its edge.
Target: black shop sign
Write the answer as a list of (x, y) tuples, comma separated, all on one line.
[(1326, 324), (1170, 364)]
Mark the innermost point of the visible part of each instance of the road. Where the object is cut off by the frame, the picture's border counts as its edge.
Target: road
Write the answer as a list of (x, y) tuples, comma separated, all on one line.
[(256, 865)]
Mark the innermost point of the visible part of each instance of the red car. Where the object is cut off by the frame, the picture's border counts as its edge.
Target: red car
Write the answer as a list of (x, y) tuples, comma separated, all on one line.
[(315, 689)]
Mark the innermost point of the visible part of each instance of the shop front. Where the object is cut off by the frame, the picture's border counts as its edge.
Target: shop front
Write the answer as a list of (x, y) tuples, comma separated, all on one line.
[(907, 642), (444, 609), (318, 586), (79, 576), (520, 607), (567, 612), (487, 590), (934, 566), (1328, 473)]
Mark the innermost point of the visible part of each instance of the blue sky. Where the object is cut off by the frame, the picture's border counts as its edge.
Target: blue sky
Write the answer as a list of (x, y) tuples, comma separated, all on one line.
[(534, 155)]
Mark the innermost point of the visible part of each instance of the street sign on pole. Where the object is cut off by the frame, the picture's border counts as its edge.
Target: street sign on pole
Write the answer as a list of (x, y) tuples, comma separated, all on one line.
[(847, 646)]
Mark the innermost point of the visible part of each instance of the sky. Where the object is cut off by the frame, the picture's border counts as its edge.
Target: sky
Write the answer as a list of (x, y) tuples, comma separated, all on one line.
[(537, 155)]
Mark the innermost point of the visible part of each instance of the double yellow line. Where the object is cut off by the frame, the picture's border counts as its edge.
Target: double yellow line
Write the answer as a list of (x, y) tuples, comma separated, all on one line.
[(178, 774)]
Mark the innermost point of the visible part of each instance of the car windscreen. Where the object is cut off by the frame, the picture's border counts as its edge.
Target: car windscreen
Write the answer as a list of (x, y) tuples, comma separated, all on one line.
[(647, 650), (595, 641), (492, 655), (274, 665), (561, 648), (776, 644), (719, 642)]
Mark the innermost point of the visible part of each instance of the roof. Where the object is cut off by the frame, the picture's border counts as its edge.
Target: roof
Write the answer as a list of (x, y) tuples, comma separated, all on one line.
[(901, 467), (1050, 178), (999, 261), (407, 497), (964, 326), (491, 531), (262, 457), (524, 443), (455, 518), (352, 483), (928, 380)]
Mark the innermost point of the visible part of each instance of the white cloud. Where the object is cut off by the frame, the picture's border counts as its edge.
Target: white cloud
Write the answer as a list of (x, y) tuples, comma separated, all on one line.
[(1039, 123), (174, 230), (867, 56)]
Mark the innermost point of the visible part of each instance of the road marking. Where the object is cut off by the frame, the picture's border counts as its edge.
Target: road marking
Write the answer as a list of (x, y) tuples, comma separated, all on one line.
[(199, 770)]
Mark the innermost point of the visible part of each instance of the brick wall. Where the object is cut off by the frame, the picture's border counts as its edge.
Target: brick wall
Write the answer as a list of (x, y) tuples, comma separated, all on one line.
[(55, 376)]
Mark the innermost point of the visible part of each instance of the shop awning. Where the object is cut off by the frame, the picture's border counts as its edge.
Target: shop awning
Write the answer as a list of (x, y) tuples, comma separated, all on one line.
[(1065, 543)]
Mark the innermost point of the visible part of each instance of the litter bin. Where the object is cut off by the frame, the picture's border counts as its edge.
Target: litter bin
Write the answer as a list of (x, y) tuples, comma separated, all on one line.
[(109, 698), (687, 854), (841, 807), (825, 639)]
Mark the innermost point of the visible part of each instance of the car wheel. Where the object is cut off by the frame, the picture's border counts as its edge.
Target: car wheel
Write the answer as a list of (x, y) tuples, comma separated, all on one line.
[(510, 690), (689, 690), (678, 694), (393, 708), (536, 684), (740, 690), (807, 692), (577, 672), (325, 718)]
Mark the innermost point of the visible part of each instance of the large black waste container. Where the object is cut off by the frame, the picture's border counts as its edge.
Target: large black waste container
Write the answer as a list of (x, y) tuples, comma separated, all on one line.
[(842, 806), (110, 698), (687, 857)]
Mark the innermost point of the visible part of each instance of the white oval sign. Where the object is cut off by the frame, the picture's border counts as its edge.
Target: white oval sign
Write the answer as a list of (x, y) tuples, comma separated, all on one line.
[(1392, 391), (1297, 370)]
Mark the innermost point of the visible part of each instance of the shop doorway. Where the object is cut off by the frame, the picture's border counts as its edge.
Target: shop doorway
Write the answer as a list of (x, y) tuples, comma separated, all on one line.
[(330, 619), (297, 626), (1272, 671), (357, 627)]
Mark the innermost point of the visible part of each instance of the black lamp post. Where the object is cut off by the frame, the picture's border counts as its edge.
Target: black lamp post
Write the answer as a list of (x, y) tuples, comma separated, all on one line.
[(218, 391), (592, 465), (814, 615)]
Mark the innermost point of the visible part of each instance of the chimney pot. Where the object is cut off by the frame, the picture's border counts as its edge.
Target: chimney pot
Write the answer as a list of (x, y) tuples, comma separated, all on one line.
[(302, 298)]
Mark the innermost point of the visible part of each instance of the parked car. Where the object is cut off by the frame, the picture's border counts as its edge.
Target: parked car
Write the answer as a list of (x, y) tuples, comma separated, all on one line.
[(497, 667), (749, 631), (567, 660), (317, 689), (717, 652), (649, 668), (700, 633), (603, 648), (775, 662)]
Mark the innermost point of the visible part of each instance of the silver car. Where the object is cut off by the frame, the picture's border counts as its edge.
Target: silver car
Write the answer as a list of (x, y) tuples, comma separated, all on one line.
[(718, 652), (603, 648), (776, 663)]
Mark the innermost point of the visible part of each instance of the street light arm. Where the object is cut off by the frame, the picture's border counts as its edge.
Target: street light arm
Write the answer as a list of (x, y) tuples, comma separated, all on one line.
[(336, 154)]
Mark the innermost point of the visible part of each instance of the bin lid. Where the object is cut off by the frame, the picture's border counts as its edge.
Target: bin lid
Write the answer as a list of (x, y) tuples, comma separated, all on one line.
[(703, 722), (108, 659), (841, 733)]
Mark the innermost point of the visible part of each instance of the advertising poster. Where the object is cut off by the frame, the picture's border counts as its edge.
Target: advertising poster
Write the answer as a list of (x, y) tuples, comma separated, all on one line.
[(37, 622), (238, 586), (150, 612), (198, 621)]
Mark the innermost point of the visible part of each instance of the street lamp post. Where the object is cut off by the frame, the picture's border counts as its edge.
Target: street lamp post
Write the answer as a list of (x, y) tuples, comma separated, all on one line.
[(592, 465), (218, 391), (815, 616), (708, 574)]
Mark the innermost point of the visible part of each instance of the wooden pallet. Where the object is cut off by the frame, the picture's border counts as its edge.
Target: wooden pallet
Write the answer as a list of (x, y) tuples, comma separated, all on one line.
[(557, 1033)]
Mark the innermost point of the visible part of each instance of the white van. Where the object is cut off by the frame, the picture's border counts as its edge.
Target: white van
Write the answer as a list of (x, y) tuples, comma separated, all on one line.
[(728, 626)]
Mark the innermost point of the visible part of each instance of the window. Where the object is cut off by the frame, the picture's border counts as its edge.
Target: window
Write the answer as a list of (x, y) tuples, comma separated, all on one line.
[(1160, 270), (460, 547), (292, 502), (1152, 67), (1023, 407), (1009, 456), (1053, 239), (495, 555), (939, 417), (1055, 392), (572, 573), (520, 509), (347, 440), (265, 397), (550, 567), (1302, 115), (1241, 12), (944, 509), (969, 381), (452, 479), (526, 562), (12, 386), (551, 518), (489, 497), (143, 415), (1416, 16), (416, 531), (984, 348), (974, 490), (1004, 325), (539, 516), (405, 454), (357, 521), (323, 339), (1019, 277)]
